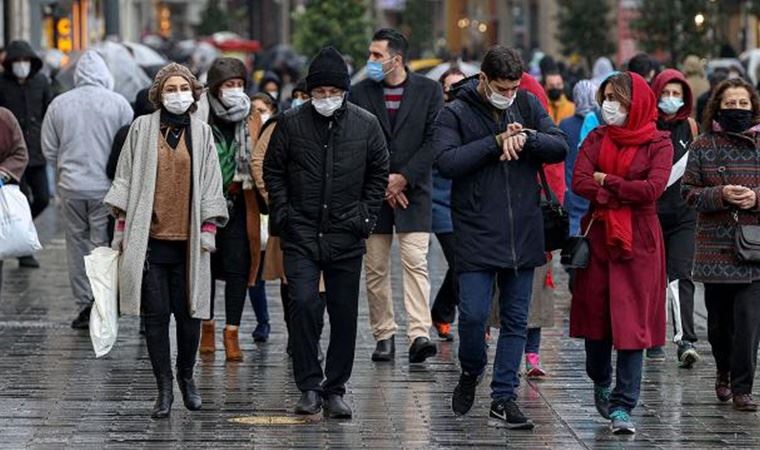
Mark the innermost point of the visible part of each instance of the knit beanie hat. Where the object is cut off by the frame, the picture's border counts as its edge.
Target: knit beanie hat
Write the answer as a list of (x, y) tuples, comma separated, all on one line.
[(224, 69), (174, 70), (328, 69)]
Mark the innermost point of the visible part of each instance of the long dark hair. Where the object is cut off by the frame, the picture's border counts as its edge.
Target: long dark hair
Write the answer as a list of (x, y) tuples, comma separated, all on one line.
[(713, 105)]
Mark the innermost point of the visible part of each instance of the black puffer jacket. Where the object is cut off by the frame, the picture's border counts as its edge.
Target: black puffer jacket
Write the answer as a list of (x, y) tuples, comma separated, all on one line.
[(325, 185), (495, 204), (27, 101)]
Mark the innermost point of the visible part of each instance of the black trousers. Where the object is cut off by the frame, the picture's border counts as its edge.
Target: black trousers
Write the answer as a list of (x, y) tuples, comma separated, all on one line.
[(231, 262), (35, 186), (164, 292), (444, 308), (285, 298), (678, 230), (733, 329), (306, 308)]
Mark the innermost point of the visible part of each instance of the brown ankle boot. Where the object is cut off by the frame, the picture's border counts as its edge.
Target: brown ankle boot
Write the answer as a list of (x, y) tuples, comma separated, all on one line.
[(208, 339), (231, 345)]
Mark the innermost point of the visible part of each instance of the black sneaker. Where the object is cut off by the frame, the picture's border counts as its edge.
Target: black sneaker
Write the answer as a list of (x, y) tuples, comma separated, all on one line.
[(687, 355), (464, 393), (506, 414), (82, 322)]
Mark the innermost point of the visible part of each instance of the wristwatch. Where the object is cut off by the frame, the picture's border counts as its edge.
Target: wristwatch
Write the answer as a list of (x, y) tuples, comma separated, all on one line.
[(4, 177)]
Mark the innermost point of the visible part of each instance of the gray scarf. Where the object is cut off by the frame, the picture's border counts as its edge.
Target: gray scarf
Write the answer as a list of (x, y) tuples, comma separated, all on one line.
[(238, 114)]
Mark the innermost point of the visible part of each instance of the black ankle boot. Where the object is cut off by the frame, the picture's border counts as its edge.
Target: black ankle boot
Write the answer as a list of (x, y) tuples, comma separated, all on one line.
[(190, 395), (163, 406)]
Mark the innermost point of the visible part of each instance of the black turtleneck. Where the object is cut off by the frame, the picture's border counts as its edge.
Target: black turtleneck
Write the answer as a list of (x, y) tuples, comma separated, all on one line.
[(171, 126)]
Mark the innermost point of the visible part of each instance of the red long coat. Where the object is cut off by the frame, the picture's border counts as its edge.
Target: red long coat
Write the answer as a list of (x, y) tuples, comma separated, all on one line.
[(623, 299)]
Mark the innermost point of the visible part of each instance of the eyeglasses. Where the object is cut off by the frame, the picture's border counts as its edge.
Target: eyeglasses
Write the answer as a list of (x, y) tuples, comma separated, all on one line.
[(322, 93)]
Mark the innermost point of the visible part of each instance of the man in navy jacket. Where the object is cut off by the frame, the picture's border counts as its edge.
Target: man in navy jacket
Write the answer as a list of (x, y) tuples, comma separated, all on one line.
[(491, 141)]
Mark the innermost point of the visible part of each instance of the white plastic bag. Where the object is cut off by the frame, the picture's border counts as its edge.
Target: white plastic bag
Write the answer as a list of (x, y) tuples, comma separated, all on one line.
[(18, 237), (102, 268), (264, 231)]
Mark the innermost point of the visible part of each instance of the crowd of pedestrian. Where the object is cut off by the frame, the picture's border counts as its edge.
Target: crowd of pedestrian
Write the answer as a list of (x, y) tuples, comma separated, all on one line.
[(657, 171)]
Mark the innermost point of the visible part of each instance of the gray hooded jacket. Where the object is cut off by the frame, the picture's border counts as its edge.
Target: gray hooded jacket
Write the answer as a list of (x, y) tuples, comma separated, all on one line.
[(79, 129)]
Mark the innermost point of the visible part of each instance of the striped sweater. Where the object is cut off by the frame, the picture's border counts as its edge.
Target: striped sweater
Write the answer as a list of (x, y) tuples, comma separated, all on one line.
[(717, 159)]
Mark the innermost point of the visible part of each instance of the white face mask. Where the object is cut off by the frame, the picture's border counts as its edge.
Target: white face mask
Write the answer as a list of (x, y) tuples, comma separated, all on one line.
[(265, 117), (21, 69), (273, 94), (498, 101), (327, 106), (611, 113), (177, 102), (233, 97)]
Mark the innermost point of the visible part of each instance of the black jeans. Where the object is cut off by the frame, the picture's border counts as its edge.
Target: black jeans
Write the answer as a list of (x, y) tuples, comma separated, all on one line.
[(445, 304), (306, 308), (733, 329), (164, 292), (34, 184), (625, 394), (678, 231), (232, 262)]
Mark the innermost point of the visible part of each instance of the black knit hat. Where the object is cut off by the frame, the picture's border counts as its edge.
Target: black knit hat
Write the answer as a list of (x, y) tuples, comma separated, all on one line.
[(328, 69), (224, 69)]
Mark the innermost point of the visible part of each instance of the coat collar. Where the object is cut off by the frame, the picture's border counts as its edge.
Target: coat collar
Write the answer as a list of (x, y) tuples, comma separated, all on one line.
[(408, 102)]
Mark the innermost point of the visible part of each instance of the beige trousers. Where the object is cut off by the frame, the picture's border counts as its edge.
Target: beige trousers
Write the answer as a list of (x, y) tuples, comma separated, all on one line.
[(413, 248)]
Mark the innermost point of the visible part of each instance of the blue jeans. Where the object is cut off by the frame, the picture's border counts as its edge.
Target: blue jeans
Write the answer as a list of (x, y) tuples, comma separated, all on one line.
[(625, 395), (475, 294), (533, 340), (258, 296)]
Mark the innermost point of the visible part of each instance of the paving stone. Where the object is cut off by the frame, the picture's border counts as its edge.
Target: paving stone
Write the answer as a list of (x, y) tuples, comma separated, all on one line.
[(54, 393)]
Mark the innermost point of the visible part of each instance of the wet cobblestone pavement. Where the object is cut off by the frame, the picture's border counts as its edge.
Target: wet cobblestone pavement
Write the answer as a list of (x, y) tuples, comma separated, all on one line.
[(54, 393)]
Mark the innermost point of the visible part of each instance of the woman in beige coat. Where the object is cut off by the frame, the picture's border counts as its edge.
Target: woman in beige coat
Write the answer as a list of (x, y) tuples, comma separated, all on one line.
[(167, 197)]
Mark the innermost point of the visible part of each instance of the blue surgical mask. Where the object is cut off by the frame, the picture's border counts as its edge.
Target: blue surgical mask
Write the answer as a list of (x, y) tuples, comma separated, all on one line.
[(670, 105), (296, 102), (375, 70)]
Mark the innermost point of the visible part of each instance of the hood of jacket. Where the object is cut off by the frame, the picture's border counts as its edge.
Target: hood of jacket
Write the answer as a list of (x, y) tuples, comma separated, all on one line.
[(602, 68), (17, 50), (92, 71), (674, 76)]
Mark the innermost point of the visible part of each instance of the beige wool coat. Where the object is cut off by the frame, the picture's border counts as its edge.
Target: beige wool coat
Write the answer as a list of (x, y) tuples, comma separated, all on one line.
[(132, 194)]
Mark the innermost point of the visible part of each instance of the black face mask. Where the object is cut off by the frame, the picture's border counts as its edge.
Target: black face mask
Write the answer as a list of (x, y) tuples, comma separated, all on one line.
[(735, 120), (554, 94)]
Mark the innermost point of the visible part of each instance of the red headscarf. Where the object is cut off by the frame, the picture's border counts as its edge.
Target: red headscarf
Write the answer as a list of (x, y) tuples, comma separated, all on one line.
[(619, 147)]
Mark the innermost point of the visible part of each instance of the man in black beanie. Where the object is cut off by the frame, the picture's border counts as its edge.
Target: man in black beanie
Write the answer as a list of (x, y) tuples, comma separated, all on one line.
[(325, 170)]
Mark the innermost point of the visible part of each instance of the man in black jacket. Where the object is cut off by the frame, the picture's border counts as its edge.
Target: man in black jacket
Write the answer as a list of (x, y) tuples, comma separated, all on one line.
[(26, 92), (406, 105), (326, 171), (491, 141)]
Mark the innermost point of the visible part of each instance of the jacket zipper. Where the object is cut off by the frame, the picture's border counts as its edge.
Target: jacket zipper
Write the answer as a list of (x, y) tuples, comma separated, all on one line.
[(510, 213), (325, 194)]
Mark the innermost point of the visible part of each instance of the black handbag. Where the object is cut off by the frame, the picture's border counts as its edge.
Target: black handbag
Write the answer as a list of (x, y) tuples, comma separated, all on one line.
[(747, 239), (556, 219), (576, 252)]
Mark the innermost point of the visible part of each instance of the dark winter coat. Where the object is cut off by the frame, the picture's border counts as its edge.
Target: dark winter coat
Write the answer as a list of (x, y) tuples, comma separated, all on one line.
[(717, 159), (29, 100), (409, 143), (324, 197), (495, 205), (623, 299)]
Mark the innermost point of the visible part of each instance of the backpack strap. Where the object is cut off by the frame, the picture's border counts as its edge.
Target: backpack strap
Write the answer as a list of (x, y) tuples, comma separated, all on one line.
[(694, 128), (523, 107)]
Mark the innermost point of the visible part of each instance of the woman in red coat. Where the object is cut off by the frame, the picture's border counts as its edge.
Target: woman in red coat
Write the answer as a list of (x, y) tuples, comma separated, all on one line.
[(619, 299)]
